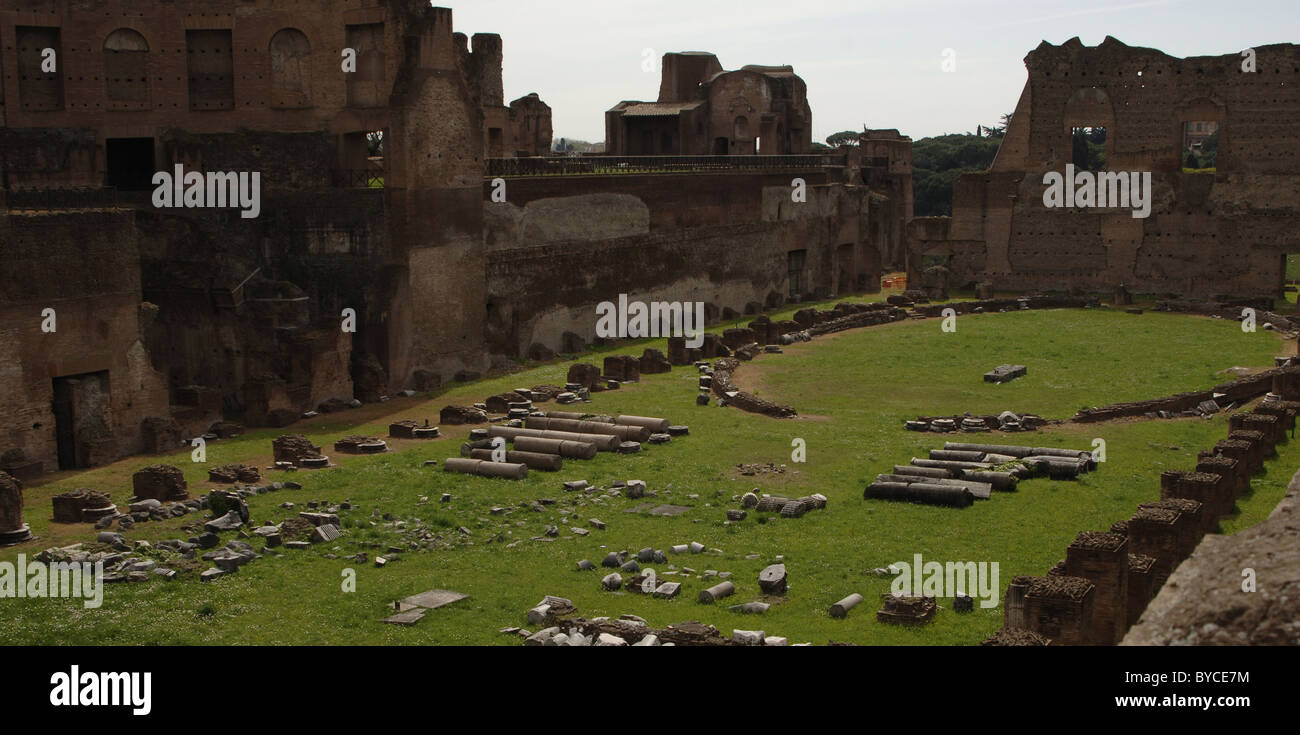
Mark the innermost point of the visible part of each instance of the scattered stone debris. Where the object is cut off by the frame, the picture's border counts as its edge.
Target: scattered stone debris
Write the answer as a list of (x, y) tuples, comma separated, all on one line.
[(906, 610), (234, 473), (410, 429), (961, 473), (82, 505), (160, 482), (772, 580), (297, 450), (360, 444), (1004, 373), (766, 468), (456, 415), (1006, 421)]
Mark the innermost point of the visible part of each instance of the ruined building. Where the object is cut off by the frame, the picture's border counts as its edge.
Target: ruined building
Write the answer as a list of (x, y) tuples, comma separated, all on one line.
[(1222, 232), (360, 267), (523, 128), (168, 318), (704, 110)]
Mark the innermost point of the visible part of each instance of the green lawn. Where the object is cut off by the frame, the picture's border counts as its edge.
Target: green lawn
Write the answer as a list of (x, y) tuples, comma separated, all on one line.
[(853, 391)]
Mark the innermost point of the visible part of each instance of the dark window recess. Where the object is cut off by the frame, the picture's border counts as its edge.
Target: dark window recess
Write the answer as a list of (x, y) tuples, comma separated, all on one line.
[(130, 163), (795, 260), (211, 68)]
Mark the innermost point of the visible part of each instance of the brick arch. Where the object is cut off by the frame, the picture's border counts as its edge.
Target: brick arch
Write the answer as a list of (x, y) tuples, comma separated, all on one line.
[(126, 68)]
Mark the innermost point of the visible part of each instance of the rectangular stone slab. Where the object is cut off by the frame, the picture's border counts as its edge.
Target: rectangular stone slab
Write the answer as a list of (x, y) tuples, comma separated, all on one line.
[(410, 617), (433, 599)]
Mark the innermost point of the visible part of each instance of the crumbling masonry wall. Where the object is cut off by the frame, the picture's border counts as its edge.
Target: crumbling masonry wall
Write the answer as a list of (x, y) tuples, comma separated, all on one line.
[(559, 246), (1218, 233), (239, 316)]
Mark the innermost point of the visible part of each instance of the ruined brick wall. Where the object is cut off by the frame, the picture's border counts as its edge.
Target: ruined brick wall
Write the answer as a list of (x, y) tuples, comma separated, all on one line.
[(86, 268), (530, 125), (1220, 233), (886, 167), (248, 310), (560, 246), (704, 110), (682, 73)]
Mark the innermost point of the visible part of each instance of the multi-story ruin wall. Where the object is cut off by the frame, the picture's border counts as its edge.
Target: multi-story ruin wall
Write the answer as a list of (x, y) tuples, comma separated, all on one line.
[(169, 318), (705, 110), (521, 129), (369, 125), (885, 157), (1219, 232)]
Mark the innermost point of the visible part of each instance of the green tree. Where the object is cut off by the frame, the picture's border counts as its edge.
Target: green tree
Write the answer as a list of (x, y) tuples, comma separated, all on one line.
[(938, 161), (844, 137)]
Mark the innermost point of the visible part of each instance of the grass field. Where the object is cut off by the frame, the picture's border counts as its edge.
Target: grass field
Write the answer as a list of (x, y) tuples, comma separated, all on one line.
[(853, 390)]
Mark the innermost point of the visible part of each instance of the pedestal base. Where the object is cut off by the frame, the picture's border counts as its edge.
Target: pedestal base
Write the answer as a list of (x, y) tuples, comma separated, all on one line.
[(20, 536)]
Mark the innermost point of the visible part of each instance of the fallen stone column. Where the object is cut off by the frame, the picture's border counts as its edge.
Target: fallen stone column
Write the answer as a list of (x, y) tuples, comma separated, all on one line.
[(567, 449), (485, 468), (656, 425), (842, 608), (577, 416), (938, 472), (534, 460), (624, 433), (1004, 481), (1057, 468), (953, 465), (958, 455), (981, 490), (603, 442), (717, 592), (1008, 449), (920, 492)]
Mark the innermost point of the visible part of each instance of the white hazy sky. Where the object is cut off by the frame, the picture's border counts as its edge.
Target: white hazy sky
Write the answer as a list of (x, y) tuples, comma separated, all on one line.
[(867, 62)]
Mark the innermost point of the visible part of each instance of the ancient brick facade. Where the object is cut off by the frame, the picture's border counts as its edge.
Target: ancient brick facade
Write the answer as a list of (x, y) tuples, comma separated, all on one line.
[(1223, 232), (369, 123), (705, 110), (560, 245), (192, 313)]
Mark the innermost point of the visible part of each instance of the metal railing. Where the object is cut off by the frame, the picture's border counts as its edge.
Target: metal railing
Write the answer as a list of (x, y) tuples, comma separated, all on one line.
[(62, 198), (358, 178), (610, 165)]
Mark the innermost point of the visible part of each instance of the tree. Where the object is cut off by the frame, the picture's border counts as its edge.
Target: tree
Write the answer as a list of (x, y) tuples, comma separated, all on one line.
[(997, 131), (844, 137), (375, 143), (938, 161)]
